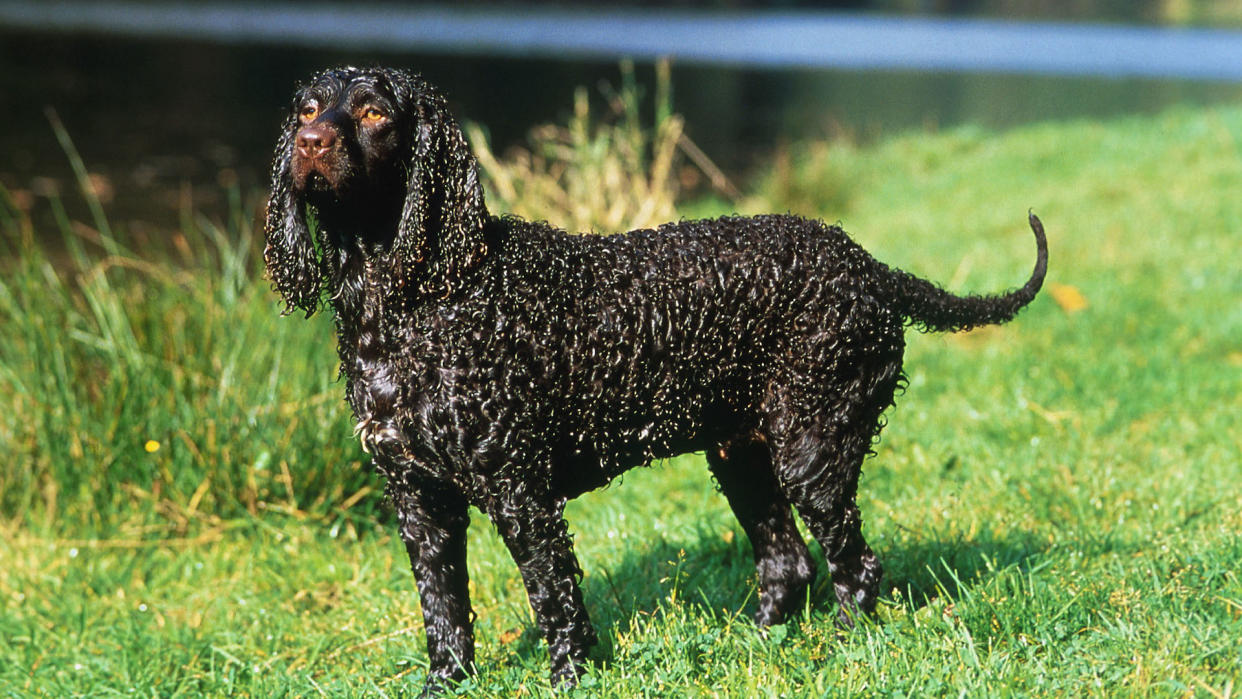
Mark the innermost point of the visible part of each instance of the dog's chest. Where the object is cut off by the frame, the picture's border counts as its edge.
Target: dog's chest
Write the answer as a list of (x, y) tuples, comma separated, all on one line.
[(417, 390)]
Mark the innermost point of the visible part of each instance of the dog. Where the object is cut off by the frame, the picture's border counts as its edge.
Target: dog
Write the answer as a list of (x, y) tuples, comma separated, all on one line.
[(505, 364)]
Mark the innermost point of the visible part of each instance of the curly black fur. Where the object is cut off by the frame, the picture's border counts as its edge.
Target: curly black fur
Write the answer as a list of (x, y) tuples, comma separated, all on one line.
[(505, 364)]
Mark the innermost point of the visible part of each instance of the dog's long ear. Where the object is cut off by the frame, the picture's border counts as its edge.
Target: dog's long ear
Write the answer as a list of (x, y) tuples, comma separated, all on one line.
[(292, 261), (441, 229)]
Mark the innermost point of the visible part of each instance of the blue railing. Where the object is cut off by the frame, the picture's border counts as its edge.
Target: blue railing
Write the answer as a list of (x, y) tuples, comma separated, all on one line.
[(750, 38)]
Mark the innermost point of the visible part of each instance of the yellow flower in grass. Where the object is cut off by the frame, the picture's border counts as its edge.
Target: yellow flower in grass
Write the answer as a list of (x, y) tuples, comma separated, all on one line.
[(151, 446)]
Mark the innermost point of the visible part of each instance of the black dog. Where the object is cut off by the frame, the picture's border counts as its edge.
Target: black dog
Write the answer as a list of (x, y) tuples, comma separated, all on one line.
[(495, 362)]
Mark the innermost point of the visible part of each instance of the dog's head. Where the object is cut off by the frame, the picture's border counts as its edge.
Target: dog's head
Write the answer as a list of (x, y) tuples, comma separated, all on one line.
[(349, 141), (374, 158)]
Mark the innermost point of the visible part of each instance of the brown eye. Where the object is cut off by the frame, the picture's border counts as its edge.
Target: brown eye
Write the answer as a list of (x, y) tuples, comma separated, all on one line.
[(372, 115), (308, 112)]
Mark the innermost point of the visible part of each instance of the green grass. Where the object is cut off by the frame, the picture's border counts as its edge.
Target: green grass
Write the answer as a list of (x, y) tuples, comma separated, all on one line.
[(1057, 501)]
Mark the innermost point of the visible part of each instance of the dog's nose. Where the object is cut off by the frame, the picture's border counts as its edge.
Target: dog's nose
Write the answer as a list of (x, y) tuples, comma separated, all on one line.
[(313, 141)]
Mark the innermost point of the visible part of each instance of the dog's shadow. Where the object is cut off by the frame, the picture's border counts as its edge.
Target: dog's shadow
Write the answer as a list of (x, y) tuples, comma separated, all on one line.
[(708, 572), (714, 577)]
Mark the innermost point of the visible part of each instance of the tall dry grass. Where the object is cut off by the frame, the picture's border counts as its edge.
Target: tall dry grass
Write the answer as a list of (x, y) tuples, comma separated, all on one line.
[(599, 172)]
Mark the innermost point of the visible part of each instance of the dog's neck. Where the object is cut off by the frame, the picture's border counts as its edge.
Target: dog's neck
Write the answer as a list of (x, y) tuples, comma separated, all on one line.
[(359, 261), (377, 269), (373, 223)]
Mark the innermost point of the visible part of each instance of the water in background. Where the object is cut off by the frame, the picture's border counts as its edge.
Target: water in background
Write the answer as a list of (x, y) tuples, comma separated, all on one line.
[(164, 123)]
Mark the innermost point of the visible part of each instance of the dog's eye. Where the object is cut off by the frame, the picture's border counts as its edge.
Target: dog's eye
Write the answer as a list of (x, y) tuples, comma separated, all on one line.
[(373, 115), (308, 112)]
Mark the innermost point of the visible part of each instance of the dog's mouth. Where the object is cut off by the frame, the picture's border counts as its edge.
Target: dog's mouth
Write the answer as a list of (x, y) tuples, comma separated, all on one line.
[(317, 183), (320, 180), (337, 189)]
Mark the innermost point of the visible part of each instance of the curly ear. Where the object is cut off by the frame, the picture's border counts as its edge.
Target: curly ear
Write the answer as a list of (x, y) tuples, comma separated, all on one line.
[(441, 228), (292, 260)]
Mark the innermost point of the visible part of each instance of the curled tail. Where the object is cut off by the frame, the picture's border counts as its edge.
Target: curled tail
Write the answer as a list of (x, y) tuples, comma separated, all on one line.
[(933, 309)]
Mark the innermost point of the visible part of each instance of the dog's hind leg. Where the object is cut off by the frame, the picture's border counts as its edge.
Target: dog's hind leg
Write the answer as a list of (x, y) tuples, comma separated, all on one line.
[(784, 566), (817, 457)]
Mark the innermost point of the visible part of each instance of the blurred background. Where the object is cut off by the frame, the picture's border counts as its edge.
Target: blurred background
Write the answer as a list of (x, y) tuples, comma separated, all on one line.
[(166, 101)]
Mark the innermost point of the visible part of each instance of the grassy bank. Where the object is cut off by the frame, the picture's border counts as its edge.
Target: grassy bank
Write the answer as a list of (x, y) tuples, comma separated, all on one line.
[(183, 510)]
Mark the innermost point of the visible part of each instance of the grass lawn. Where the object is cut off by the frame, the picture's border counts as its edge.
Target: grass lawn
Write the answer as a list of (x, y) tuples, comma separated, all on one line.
[(183, 509)]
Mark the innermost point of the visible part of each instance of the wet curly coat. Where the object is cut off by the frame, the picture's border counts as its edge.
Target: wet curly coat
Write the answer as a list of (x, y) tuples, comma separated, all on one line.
[(506, 364)]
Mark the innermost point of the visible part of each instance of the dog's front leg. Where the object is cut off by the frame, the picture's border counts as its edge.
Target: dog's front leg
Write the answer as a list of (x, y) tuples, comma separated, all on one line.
[(534, 530), (433, 525)]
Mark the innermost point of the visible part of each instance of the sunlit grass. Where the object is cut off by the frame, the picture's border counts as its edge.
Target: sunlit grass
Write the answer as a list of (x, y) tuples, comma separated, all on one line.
[(1057, 501), (144, 395)]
